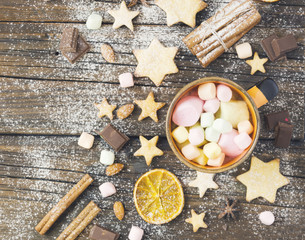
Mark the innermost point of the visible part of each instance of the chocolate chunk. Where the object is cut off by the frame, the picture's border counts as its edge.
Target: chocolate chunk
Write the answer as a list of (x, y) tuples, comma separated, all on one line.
[(285, 44), (100, 233), (68, 41), (113, 137), (283, 134), (82, 48), (266, 45), (273, 119)]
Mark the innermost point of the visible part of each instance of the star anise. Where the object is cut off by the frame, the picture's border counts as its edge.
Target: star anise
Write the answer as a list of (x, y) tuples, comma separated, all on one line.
[(229, 210), (134, 2)]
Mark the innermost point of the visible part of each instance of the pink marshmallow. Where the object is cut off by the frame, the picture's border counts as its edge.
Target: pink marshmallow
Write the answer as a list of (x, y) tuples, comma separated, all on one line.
[(207, 91), (227, 145), (245, 126), (190, 152), (135, 233), (211, 105), (126, 80), (107, 189), (196, 135), (217, 162), (224, 93), (242, 140), (187, 111)]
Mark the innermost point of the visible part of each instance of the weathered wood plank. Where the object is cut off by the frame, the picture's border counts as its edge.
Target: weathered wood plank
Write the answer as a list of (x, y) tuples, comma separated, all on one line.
[(36, 171), (65, 107)]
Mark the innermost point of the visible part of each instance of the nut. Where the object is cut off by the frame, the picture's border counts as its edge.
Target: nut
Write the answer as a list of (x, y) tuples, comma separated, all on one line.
[(114, 169), (107, 53), (119, 211), (125, 111)]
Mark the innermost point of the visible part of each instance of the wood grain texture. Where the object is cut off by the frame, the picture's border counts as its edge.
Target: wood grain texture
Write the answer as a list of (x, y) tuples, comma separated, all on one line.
[(45, 103)]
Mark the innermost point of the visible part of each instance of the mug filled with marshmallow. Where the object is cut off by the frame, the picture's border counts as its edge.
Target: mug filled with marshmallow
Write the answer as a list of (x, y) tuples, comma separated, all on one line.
[(213, 124)]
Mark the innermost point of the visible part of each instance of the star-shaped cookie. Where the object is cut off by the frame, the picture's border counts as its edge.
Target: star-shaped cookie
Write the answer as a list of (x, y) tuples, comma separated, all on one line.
[(123, 16), (263, 179), (203, 182), (149, 107), (148, 149), (155, 62), (257, 64), (105, 109), (197, 220), (181, 10)]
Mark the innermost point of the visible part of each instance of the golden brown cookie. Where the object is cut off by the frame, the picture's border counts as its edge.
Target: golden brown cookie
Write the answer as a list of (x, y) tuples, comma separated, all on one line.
[(148, 149), (197, 220), (105, 109), (257, 64)]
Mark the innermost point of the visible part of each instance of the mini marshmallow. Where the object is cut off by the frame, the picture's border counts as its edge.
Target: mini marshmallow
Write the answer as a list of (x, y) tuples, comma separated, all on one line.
[(94, 21), (107, 189), (217, 162), (266, 217), (245, 126), (244, 50), (211, 134), (126, 80), (224, 93), (86, 140), (180, 134), (227, 145), (222, 126), (187, 111), (207, 91), (202, 159), (211, 105), (207, 119), (135, 233), (212, 150), (242, 140), (107, 157), (190, 152), (196, 135)]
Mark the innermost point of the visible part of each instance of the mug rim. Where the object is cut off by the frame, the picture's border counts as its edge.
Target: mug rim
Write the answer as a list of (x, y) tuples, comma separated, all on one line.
[(169, 116)]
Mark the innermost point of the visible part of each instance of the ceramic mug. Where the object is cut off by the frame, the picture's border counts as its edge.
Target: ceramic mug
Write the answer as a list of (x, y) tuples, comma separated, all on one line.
[(255, 97)]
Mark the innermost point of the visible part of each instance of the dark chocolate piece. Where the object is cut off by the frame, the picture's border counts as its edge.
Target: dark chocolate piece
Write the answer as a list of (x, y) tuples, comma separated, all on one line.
[(273, 119), (100, 233), (82, 48), (266, 45), (283, 134), (113, 137), (285, 44), (69, 39)]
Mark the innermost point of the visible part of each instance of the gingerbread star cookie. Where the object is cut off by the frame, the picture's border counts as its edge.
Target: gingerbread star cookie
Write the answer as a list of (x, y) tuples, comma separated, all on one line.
[(257, 64), (149, 107), (203, 182), (197, 220), (181, 10), (105, 109), (155, 62), (148, 149), (263, 179), (123, 16)]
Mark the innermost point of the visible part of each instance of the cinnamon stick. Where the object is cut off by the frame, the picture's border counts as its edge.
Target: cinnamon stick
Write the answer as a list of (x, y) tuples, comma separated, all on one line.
[(80, 222), (44, 225)]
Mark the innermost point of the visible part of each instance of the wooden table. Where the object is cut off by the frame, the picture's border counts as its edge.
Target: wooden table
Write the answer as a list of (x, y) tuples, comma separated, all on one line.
[(45, 103)]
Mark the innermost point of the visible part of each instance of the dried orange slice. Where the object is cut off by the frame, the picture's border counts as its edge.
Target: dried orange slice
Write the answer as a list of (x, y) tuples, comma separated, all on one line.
[(158, 196)]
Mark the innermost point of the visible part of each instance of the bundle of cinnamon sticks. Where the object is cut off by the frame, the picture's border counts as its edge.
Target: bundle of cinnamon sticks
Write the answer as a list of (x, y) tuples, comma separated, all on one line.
[(221, 31)]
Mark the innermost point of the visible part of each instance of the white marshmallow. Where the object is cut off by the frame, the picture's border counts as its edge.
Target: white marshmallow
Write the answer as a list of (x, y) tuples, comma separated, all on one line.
[(211, 134), (107, 189), (196, 135), (207, 91), (212, 150), (94, 21), (135, 233), (107, 157), (86, 140), (266, 217), (244, 50), (222, 126), (190, 152), (126, 80), (245, 126), (180, 134), (207, 119)]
